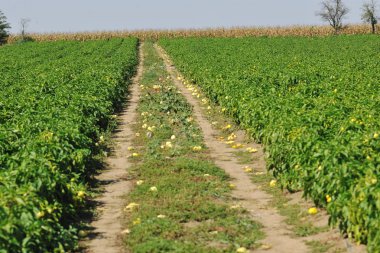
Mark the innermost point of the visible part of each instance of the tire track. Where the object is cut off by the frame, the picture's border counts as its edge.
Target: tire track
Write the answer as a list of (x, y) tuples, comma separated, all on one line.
[(106, 235), (247, 194)]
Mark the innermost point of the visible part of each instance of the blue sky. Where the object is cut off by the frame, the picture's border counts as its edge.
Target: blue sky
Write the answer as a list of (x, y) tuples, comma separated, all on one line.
[(97, 15)]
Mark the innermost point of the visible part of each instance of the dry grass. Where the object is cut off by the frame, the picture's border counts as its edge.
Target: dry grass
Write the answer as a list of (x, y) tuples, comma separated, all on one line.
[(216, 32)]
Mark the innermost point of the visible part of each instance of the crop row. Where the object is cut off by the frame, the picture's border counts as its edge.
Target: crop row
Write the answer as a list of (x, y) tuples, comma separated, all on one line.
[(56, 101), (314, 103)]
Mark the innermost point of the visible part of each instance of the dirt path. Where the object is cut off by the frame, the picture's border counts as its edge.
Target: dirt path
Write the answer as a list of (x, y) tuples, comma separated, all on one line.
[(246, 193), (106, 235)]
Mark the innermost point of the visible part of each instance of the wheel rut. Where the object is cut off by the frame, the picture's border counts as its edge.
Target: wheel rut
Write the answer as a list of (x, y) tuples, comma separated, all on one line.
[(107, 227), (246, 194)]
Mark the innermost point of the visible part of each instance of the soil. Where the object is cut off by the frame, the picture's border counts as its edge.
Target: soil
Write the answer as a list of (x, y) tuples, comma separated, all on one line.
[(106, 235)]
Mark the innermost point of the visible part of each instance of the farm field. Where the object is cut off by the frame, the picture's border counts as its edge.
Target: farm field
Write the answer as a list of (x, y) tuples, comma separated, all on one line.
[(184, 189), (176, 159), (57, 103), (313, 103), (180, 201)]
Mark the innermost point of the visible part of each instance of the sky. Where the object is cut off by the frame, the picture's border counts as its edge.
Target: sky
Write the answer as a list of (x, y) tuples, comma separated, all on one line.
[(98, 15)]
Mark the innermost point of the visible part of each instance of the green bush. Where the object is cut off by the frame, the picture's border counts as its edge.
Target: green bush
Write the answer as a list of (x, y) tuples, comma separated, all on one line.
[(4, 26)]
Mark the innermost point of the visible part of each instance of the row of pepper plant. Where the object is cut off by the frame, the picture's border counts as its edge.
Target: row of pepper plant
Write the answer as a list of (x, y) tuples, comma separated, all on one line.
[(314, 103), (57, 100)]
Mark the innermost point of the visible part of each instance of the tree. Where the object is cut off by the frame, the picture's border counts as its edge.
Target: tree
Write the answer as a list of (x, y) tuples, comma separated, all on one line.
[(24, 23), (3, 29), (333, 12), (369, 14)]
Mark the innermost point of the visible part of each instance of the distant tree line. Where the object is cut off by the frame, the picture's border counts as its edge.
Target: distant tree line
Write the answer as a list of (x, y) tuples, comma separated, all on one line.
[(333, 12), (5, 26)]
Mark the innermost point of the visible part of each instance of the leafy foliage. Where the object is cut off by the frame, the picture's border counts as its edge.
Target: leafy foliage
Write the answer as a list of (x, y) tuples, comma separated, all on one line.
[(314, 103), (4, 25), (56, 99)]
